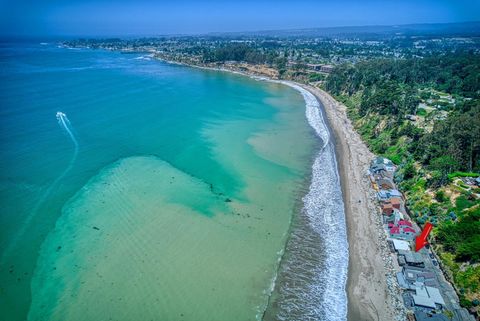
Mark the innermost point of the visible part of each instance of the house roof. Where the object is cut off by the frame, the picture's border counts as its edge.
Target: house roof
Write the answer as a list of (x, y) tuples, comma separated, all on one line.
[(389, 194), (394, 192), (395, 200), (385, 181), (408, 230), (401, 245), (435, 295), (423, 301), (401, 281), (427, 296), (413, 257), (398, 214), (378, 167), (383, 160), (404, 222), (395, 230)]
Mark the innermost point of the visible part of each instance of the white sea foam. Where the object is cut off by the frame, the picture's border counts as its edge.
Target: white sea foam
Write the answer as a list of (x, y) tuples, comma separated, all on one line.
[(146, 57), (322, 294)]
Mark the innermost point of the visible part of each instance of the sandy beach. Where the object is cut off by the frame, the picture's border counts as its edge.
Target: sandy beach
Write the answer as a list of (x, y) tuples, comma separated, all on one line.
[(367, 290)]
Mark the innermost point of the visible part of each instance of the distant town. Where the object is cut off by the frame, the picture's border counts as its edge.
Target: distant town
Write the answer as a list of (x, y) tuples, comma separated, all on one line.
[(306, 56)]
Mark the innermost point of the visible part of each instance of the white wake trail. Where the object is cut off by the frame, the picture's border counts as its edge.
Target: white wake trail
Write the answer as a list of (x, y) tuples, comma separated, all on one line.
[(65, 124)]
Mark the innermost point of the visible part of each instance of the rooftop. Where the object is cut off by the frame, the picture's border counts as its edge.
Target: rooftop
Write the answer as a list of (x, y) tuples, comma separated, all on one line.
[(401, 245), (404, 222), (413, 257), (427, 296)]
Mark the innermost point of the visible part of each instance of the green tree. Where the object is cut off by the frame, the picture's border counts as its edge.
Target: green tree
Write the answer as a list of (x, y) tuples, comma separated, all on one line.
[(443, 165)]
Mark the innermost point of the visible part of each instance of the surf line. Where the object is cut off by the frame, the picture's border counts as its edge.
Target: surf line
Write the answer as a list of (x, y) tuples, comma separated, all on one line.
[(65, 125)]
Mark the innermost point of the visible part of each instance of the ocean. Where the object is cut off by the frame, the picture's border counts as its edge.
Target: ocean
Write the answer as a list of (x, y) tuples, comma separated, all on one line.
[(133, 189)]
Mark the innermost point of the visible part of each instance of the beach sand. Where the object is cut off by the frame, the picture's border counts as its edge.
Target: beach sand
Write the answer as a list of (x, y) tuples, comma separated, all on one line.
[(367, 290)]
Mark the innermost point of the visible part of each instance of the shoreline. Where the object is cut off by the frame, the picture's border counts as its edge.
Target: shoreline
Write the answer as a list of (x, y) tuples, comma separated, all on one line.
[(368, 295)]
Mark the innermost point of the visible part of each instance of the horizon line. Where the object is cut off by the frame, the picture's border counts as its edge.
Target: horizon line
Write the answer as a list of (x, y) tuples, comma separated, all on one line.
[(244, 32)]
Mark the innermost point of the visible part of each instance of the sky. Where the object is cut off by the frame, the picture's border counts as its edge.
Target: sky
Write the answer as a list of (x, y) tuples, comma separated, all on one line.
[(149, 18)]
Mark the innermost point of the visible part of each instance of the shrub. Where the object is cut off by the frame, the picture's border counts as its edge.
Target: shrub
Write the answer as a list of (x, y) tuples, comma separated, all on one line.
[(462, 174), (440, 196), (421, 112)]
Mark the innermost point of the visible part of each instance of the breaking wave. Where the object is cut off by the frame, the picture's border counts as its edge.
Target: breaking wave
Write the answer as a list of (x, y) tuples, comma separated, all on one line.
[(312, 277)]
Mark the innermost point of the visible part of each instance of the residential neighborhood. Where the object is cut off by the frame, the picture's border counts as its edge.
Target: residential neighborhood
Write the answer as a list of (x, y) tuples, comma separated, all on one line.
[(426, 294)]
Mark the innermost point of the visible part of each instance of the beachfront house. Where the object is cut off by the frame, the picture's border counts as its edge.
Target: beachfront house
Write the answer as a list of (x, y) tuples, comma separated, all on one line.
[(409, 258), (405, 223), (385, 195), (378, 169), (402, 230), (428, 297), (385, 183), (390, 205), (393, 218), (410, 276), (396, 202), (382, 163), (400, 245), (402, 233), (387, 208)]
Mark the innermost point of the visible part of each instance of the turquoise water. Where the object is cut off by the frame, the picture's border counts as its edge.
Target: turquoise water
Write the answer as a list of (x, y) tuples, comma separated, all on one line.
[(166, 192)]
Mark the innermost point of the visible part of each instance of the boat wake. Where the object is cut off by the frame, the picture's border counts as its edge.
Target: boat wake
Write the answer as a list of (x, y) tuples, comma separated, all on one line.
[(65, 124)]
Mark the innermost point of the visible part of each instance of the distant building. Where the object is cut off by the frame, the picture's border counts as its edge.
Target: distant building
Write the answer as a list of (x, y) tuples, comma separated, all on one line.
[(411, 117), (316, 67), (327, 68), (322, 68)]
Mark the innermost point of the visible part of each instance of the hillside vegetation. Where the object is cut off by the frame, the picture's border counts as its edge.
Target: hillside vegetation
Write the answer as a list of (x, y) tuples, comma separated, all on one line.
[(424, 114)]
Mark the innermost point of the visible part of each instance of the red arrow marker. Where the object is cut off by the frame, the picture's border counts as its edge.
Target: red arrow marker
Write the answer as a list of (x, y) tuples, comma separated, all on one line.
[(421, 240)]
